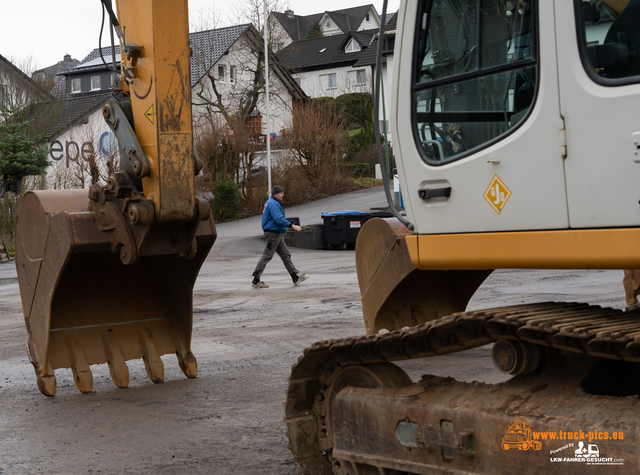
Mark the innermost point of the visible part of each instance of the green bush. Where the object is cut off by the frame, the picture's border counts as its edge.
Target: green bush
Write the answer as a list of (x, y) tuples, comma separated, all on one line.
[(360, 141), (226, 201), (356, 109)]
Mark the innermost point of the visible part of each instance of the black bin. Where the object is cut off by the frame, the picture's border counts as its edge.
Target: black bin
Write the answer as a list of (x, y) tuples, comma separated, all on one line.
[(341, 228)]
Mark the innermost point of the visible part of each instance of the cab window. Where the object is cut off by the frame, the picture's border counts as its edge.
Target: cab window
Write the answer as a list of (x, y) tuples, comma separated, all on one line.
[(610, 40), (475, 74)]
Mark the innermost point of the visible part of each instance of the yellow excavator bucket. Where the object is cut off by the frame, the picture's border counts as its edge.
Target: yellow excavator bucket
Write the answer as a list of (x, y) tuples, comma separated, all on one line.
[(389, 282), (83, 306)]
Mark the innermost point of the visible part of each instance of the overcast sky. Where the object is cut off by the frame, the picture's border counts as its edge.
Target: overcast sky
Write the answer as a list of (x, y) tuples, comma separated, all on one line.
[(46, 30)]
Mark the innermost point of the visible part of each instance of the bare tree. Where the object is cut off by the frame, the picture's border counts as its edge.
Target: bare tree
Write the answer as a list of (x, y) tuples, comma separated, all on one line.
[(318, 142)]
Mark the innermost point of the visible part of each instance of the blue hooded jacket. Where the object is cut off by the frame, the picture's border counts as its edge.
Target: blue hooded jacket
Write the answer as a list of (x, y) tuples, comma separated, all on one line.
[(273, 217)]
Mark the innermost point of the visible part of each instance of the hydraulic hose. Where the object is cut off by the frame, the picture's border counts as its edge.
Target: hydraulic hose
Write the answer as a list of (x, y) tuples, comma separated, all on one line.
[(376, 121)]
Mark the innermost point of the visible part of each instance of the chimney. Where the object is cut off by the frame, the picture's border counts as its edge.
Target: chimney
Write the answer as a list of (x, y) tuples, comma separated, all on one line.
[(289, 13), (67, 57)]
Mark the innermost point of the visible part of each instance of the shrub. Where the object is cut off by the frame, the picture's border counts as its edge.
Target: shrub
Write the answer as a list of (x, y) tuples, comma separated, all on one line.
[(226, 201), (356, 109), (318, 141), (360, 141), (358, 169)]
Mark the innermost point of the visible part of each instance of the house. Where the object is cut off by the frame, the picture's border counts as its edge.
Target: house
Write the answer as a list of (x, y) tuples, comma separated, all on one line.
[(223, 60), (326, 67), (290, 27), (17, 90), (50, 75)]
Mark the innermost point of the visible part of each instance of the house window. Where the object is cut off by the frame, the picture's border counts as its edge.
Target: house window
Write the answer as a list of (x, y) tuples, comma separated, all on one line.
[(352, 46), (329, 81), (221, 73), (232, 74), (368, 18), (328, 24), (76, 85), (361, 77), (358, 77), (95, 83)]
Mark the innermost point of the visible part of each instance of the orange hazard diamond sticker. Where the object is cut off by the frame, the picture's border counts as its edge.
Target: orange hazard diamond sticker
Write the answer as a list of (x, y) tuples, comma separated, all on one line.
[(497, 194)]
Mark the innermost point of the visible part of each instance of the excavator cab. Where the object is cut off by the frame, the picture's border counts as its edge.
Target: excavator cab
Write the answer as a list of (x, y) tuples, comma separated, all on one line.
[(106, 274)]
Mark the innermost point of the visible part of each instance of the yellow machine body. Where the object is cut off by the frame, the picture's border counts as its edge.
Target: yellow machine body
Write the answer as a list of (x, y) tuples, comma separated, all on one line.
[(161, 102)]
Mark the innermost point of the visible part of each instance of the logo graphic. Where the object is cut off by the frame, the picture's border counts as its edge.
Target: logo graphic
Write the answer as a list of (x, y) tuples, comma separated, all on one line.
[(107, 144), (519, 436), (497, 194), (591, 452)]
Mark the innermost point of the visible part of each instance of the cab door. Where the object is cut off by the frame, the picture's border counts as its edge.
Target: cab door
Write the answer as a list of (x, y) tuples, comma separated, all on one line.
[(476, 116), (599, 71)]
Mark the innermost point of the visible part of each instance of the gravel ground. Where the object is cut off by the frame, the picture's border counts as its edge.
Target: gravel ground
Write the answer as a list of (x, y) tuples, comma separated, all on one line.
[(229, 420)]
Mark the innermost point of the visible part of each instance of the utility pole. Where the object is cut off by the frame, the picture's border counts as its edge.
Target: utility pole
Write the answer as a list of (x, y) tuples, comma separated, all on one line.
[(266, 81)]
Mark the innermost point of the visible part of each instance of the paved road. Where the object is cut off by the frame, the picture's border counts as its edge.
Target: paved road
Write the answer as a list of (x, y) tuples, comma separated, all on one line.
[(229, 419)]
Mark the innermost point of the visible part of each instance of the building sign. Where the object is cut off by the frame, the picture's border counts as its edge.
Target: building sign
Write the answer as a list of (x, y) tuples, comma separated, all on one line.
[(72, 151)]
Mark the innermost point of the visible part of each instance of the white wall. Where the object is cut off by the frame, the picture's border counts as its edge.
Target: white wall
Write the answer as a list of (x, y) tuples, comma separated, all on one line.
[(372, 23), (314, 83), (329, 27)]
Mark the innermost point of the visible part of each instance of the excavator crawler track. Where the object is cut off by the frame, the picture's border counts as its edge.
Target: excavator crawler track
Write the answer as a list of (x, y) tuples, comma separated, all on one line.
[(575, 327)]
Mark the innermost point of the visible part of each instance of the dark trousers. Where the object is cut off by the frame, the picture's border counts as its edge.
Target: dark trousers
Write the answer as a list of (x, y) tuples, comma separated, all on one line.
[(275, 243)]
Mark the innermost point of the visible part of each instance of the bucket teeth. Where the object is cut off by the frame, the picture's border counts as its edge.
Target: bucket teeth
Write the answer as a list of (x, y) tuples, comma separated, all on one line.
[(188, 364), (83, 379), (152, 362), (47, 384), (82, 375), (117, 364)]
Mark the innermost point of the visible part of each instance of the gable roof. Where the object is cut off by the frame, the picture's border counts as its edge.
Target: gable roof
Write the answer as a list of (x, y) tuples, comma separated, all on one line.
[(50, 72), (323, 53), (9, 68), (350, 18), (210, 45), (298, 26), (369, 57), (53, 118)]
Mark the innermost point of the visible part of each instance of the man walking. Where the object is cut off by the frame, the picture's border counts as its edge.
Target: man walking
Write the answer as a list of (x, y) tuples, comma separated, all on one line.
[(274, 225)]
